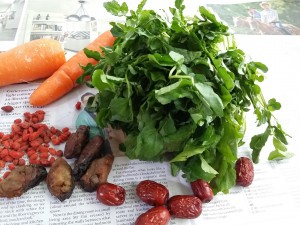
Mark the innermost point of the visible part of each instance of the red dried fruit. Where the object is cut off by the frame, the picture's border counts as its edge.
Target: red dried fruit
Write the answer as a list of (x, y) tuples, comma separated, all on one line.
[(5, 175), (7, 108), (152, 193), (185, 206), (111, 194), (244, 171), (202, 190), (11, 166), (78, 105), (158, 215)]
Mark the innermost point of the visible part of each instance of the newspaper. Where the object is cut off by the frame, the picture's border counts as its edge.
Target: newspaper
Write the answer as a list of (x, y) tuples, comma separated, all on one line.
[(272, 198)]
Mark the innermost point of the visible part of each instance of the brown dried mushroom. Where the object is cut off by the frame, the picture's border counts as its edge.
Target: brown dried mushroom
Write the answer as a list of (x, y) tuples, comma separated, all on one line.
[(76, 142), (21, 179), (60, 180), (91, 151), (97, 173)]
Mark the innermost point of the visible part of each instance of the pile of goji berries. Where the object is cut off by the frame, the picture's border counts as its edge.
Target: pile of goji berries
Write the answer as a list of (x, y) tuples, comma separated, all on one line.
[(32, 139)]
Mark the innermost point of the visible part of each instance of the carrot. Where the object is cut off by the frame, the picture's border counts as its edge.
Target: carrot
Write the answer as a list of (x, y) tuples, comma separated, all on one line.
[(30, 61), (64, 79)]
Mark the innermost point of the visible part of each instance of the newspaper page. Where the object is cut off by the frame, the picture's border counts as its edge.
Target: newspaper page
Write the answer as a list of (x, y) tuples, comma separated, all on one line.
[(272, 198)]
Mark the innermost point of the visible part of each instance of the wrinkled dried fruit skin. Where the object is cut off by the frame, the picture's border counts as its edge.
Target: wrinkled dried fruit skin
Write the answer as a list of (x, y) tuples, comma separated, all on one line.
[(244, 171), (60, 180), (202, 190), (111, 194), (185, 206), (7, 108), (91, 151), (97, 173), (21, 179), (76, 142), (158, 215), (152, 193)]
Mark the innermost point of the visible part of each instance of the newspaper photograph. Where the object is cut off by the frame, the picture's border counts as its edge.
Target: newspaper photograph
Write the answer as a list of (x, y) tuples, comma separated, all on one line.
[(55, 157)]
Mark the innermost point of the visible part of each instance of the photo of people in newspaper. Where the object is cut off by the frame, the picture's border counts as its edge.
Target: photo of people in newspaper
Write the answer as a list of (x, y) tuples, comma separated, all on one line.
[(275, 17)]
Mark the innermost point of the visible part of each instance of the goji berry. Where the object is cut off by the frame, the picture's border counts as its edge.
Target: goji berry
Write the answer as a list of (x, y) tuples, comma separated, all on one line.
[(25, 125), (8, 158), (4, 153), (11, 166), (30, 152), (18, 121), (21, 162), (65, 129), (53, 130), (46, 139), (5, 137), (15, 154), (59, 153), (34, 161), (43, 149), (7, 108), (6, 174), (44, 155), (34, 156), (55, 140), (36, 143), (34, 119), (78, 105), (52, 151), (16, 145), (2, 164), (51, 160), (16, 161), (1, 134), (15, 128), (45, 162), (6, 144)]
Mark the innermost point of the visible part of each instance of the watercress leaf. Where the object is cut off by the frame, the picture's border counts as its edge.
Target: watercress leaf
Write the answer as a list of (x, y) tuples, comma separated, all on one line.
[(176, 142), (180, 89), (280, 135), (141, 6), (193, 170), (92, 54), (211, 98), (189, 151), (206, 167), (260, 66), (162, 60), (273, 105), (279, 145), (279, 154), (115, 8), (226, 177), (149, 144), (178, 58), (258, 142), (121, 110)]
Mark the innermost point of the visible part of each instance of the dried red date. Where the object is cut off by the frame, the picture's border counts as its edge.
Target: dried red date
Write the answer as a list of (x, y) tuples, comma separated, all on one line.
[(185, 206), (244, 171), (158, 215), (152, 193), (202, 190), (111, 194)]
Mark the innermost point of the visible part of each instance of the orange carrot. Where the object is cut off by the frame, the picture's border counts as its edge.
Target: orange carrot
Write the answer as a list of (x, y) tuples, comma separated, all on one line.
[(30, 61), (64, 79)]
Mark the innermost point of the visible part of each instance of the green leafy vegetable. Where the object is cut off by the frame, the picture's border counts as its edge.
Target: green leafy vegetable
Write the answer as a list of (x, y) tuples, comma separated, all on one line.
[(179, 88)]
